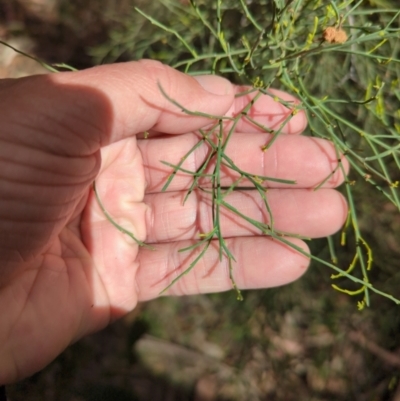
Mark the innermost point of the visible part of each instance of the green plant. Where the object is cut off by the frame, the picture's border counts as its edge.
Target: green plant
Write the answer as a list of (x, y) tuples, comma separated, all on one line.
[(282, 43)]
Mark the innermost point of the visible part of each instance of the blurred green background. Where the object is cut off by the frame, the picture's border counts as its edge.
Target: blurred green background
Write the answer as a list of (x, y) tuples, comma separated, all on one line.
[(300, 342)]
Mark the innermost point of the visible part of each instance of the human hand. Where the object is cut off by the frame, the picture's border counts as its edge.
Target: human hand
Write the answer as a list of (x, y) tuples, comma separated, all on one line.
[(65, 270)]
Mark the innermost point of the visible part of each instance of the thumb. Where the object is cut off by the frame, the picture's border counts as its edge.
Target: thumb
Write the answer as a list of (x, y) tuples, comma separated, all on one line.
[(137, 104), (75, 113)]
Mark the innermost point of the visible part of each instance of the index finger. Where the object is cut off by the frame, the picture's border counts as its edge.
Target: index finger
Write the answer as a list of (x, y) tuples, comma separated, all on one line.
[(278, 111)]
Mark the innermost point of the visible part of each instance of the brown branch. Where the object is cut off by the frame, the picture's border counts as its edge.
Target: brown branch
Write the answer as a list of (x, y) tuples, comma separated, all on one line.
[(385, 355)]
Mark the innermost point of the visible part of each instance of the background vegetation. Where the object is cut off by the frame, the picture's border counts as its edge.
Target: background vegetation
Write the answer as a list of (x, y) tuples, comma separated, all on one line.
[(300, 342)]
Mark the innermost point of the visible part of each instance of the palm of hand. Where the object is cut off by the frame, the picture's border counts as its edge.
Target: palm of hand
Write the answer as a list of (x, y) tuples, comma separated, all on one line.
[(85, 276)]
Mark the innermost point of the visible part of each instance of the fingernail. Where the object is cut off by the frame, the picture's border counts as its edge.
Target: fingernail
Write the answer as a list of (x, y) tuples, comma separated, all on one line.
[(214, 84)]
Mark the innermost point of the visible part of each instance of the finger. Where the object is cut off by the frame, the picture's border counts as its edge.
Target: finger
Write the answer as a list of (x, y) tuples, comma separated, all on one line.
[(280, 111), (305, 213), (305, 161), (74, 113), (138, 104), (266, 114), (260, 263)]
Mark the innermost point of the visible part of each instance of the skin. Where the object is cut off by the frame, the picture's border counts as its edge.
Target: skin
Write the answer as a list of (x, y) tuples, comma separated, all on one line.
[(65, 270)]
